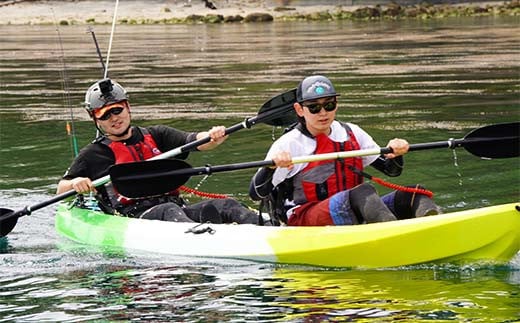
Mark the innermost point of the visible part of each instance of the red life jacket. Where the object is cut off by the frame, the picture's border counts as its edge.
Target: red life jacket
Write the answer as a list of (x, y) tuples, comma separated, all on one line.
[(322, 179), (123, 153), (145, 149)]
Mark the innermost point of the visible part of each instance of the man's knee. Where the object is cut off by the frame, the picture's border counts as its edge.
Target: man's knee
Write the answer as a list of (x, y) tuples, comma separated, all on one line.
[(166, 212), (367, 204), (413, 204)]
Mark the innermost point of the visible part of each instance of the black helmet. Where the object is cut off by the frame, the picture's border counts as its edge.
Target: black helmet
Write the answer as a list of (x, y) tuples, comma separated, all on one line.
[(315, 87), (102, 93)]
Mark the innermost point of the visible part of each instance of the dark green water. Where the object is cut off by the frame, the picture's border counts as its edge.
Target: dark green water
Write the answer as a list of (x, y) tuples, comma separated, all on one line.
[(422, 81)]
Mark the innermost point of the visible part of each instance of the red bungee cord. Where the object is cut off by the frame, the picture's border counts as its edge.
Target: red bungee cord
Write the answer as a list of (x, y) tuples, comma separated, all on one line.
[(203, 194), (393, 185), (368, 176)]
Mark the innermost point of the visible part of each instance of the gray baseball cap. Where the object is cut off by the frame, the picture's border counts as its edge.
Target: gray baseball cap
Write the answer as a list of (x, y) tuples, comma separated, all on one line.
[(315, 87)]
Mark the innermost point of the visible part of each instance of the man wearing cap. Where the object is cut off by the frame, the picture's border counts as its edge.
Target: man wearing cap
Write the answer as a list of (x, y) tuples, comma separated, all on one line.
[(120, 142), (331, 192)]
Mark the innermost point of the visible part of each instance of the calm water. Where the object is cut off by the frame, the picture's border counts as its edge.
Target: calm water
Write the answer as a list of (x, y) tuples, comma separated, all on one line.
[(423, 81)]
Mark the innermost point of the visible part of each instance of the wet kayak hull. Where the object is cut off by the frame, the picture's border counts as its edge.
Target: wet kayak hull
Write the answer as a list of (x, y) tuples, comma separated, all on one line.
[(490, 234)]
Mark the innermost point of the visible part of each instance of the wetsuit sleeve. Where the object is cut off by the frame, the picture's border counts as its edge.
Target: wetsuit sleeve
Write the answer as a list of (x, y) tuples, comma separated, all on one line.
[(93, 162), (261, 184), (168, 138), (389, 166)]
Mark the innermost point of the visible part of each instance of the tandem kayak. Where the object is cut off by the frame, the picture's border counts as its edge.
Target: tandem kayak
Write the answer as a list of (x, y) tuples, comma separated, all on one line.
[(489, 234)]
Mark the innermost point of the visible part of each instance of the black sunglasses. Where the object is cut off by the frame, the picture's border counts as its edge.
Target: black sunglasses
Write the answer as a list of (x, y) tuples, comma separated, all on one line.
[(316, 107), (113, 111)]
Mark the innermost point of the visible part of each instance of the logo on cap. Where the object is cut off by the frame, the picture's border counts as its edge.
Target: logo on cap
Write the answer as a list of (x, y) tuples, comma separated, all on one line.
[(318, 87)]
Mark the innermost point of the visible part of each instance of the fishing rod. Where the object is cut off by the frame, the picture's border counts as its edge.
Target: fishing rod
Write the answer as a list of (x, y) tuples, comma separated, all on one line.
[(91, 31), (70, 127)]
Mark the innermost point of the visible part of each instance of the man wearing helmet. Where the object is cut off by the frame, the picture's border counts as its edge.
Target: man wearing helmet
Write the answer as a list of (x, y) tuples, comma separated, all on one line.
[(107, 104), (331, 192)]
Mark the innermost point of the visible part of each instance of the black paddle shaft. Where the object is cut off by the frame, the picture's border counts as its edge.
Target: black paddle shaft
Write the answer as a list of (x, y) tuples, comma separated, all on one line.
[(8, 218), (500, 140), (140, 179), (274, 108), (246, 124)]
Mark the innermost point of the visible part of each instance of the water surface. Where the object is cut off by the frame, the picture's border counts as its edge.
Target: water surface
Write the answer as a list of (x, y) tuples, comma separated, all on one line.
[(423, 81)]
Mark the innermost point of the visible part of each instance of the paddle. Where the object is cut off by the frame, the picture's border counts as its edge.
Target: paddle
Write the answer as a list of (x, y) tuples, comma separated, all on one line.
[(157, 177), (273, 108), (285, 100)]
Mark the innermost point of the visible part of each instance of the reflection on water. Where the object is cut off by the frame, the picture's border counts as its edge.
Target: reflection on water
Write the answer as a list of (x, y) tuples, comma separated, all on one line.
[(423, 81), (251, 292), (413, 294)]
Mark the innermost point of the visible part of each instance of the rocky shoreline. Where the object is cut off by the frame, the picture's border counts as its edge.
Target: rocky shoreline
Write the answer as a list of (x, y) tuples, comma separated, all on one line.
[(79, 12)]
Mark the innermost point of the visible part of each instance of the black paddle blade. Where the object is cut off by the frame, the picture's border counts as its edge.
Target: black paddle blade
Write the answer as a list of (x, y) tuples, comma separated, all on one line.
[(7, 225), (282, 103), (501, 140), (148, 178)]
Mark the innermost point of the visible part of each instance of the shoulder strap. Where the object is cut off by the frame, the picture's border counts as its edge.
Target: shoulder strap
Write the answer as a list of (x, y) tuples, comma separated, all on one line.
[(290, 127), (102, 140), (143, 130), (345, 126), (303, 129)]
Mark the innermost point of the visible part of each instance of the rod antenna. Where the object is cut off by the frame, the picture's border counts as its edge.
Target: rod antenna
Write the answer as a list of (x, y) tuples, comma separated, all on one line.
[(114, 19)]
